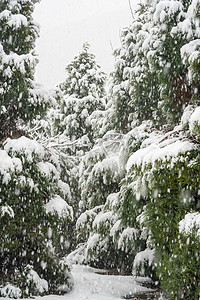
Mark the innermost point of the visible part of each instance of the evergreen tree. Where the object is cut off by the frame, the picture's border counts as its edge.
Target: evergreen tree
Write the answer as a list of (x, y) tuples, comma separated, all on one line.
[(153, 74), (33, 199), (20, 98), (83, 89), (84, 77), (34, 213)]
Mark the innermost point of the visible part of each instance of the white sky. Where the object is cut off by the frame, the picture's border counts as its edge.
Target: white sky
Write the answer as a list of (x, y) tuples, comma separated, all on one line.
[(67, 24)]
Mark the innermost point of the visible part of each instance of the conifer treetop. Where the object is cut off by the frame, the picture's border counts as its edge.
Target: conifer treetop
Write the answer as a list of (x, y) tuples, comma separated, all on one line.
[(84, 76)]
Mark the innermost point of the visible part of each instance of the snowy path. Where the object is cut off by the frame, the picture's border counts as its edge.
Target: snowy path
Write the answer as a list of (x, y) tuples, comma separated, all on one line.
[(91, 286)]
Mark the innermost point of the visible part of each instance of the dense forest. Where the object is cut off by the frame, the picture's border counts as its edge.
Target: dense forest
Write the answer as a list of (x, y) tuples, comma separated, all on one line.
[(103, 170)]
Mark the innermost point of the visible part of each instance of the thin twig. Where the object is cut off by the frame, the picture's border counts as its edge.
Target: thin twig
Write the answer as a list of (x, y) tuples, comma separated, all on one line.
[(129, 1)]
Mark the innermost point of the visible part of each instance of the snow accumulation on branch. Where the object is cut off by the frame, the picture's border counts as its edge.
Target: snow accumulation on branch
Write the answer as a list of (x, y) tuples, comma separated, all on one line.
[(8, 165), (6, 210), (59, 206), (189, 223), (24, 145), (162, 151), (146, 256)]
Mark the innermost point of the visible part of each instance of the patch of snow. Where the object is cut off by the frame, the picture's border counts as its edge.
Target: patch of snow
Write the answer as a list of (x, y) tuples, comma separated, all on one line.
[(59, 206), (40, 284), (191, 221), (6, 210), (85, 219), (8, 165), (24, 145), (93, 241), (128, 234), (65, 189), (17, 21), (115, 228), (48, 169), (159, 151), (103, 219), (187, 114), (147, 255), (166, 8), (78, 255), (194, 119)]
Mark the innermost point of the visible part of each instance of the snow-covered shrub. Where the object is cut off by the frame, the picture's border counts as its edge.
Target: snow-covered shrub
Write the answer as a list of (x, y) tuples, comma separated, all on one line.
[(127, 231), (33, 216), (100, 174), (29, 283), (164, 175), (85, 221), (10, 291), (144, 263), (101, 251)]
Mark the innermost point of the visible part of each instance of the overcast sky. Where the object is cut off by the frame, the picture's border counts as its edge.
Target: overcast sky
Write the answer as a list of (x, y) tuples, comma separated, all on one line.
[(66, 24)]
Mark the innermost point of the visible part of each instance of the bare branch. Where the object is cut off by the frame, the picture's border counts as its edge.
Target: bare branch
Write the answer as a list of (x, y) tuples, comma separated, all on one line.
[(129, 1)]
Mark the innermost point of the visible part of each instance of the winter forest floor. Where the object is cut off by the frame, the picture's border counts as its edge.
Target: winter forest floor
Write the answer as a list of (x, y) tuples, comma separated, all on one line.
[(88, 285), (91, 286)]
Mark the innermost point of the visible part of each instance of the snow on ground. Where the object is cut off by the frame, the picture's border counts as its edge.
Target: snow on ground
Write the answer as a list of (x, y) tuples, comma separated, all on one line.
[(91, 286)]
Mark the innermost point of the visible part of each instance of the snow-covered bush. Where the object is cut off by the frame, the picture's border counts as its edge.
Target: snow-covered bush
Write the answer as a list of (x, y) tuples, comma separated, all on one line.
[(10, 291), (144, 261), (164, 178), (108, 227), (100, 250), (34, 215)]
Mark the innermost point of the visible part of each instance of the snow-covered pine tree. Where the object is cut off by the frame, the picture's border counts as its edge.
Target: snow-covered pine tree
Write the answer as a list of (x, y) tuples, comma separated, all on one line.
[(163, 177), (100, 174), (84, 76), (134, 91), (34, 214), (20, 98), (33, 199), (67, 130), (106, 225), (84, 91), (152, 77), (173, 24)]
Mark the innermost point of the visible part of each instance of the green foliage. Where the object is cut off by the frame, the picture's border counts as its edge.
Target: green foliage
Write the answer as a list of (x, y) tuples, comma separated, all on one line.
[(20, 98), (75, 120), (100, 176), (179, 272), (30, 235), (171, 190), (156, 71)]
